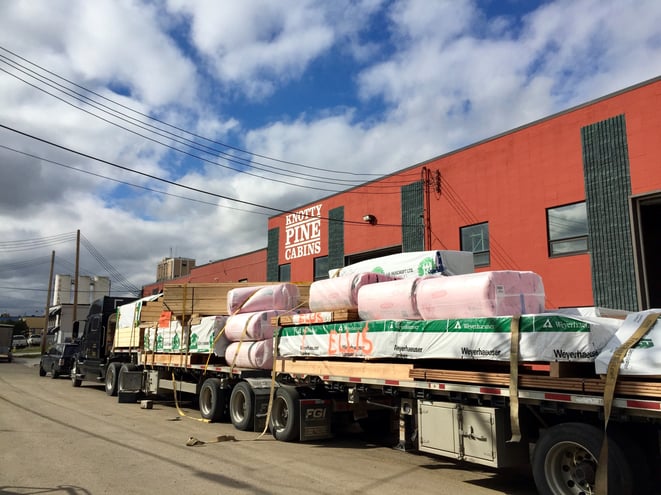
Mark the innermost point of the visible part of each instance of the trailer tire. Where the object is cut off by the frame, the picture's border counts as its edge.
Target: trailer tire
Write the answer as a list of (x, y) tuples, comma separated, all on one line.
[(75, 381), (112, 379), (42, 371), (212, 400), (242, 405), (637, 459), (565, 461), (285, 417)]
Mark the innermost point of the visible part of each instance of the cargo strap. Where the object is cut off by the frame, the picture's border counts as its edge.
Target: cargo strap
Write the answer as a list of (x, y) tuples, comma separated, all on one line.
[(241, 339), (176, 404), (195, 442), (514, 380), (601, 481)]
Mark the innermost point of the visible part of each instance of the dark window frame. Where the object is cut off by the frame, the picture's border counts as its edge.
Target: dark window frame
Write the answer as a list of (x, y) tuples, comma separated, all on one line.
[(281, 268), (481, 258), (320, 272), (559, 245)]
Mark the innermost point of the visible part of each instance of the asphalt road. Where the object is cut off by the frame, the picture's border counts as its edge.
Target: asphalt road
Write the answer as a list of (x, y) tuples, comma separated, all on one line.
[(56, 439)]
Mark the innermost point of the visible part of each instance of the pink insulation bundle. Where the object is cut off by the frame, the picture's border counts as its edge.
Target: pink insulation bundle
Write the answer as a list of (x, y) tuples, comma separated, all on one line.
[(393, 300), (257, 354), (262, 298), (533, 290), (341, 292), (496, 293), (252, 326)]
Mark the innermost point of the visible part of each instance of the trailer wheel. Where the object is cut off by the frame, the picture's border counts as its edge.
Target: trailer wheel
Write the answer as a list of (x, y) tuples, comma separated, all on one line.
[(212, 400), (112, 379), (42, 371), (632, 446), (75, 381), (566, 457), (242, 404), (285, 415)]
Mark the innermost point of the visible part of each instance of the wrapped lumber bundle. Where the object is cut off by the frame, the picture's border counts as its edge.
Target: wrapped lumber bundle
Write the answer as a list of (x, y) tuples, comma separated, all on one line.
[(257, 354), (373, 339), (149, 339), (207, 335), (284, 296), (339, 293), (542, 337), (392, 300), (128, 333), (170, 334), (495, 293), (642, 358), (415, 264)]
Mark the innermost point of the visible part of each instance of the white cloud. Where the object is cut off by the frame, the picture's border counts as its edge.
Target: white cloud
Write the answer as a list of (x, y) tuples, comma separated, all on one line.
[(257, 43), (430, 77), (121, 42)]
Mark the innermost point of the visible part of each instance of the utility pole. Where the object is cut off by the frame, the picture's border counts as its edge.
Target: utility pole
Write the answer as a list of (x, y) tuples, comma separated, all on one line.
[(426, 211), (44, 334), (75, 282)]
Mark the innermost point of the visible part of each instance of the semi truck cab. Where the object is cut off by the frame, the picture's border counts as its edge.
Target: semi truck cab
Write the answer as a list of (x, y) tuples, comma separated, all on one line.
[(95, 342)]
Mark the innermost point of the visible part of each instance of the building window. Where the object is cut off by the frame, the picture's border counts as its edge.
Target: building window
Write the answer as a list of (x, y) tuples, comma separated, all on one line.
[(284, 273), (475, 238), (321, 268), (567, 229)]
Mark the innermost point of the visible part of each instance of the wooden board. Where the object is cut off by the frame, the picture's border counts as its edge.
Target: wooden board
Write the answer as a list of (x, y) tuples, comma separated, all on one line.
[(178, 360), (315, 318), (151, 310), (126, 338), (362, 369), (595, 385)]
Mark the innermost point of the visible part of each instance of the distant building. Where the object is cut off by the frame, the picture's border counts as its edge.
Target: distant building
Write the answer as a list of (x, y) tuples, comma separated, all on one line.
[(171, 268), (90, 288), (61, 319)]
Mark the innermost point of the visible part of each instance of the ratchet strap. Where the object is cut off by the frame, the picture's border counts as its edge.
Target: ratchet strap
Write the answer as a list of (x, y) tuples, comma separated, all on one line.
[(514, 380), (601, 481)]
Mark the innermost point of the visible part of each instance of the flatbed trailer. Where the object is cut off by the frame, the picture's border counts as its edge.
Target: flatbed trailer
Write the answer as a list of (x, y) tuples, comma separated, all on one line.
[(549, 416), (557, 430)]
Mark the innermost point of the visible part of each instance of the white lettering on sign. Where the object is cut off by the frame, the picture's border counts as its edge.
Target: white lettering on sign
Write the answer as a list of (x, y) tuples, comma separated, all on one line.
[(303, 233)]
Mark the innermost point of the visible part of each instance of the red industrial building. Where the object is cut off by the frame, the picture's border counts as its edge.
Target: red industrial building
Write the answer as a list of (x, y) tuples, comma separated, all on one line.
[(575, 197)]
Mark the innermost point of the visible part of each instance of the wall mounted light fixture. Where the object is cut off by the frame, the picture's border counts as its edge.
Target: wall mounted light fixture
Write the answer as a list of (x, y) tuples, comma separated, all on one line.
[(371, 219)]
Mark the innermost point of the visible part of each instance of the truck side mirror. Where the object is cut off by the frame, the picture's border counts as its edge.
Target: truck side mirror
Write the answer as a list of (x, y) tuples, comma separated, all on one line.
[(74, 330)]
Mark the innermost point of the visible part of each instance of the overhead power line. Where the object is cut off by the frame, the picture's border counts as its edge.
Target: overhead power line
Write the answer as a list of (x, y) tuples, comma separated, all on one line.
[(138, 186), (30, 244), (109, 268), (180, 129), (173, 183), (166, 133)]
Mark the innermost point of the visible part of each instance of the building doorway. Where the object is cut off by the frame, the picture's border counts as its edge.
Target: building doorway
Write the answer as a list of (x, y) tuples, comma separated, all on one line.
[(369, 255), (646, 216)]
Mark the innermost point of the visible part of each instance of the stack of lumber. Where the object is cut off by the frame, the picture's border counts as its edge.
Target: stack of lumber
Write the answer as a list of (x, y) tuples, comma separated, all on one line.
[(588, 384), (375, 370), (150, 312)]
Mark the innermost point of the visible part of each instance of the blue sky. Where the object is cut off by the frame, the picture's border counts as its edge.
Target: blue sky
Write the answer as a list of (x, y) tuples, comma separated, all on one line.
[(324, 94)]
